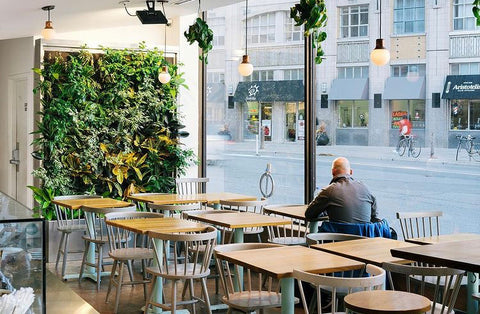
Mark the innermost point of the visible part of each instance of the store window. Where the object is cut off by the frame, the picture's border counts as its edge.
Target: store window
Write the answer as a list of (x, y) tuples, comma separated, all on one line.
[(406, 70), (354, 21), (292, 32), (261, 29), (293, 74), (352, 113), (414, 109), (463, 18), (352, 72), (409, 16), (464, 115), (465, 68), (261, 75)]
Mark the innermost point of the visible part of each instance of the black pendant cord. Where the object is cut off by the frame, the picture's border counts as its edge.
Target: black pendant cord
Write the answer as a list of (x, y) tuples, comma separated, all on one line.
[(164, 33), (246, 27), (380, 18)]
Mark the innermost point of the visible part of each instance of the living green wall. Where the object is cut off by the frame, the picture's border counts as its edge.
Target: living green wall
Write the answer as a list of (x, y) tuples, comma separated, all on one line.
[(107, 125)]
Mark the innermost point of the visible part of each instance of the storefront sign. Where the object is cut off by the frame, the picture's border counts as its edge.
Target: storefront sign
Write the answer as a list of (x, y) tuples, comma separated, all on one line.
[(462, 87)]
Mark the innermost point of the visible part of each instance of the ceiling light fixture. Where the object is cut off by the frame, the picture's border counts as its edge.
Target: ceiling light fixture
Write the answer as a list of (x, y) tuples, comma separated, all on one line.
[(245, 68), (380, 55), (150, 15), (164, 77), (48, 32)]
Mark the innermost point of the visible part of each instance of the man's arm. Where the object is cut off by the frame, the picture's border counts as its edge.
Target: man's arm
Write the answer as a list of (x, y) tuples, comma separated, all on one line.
[(317, 207), (374, 212)]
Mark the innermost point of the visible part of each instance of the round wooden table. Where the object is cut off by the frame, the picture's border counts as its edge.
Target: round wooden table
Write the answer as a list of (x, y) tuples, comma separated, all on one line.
[(387, 301)]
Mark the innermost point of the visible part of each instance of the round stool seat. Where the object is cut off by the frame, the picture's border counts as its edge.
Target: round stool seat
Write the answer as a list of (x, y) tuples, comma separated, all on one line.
[(387, 301)]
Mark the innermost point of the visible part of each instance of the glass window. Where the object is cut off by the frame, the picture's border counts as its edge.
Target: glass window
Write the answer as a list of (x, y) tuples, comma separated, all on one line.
[(464, 115), (354, 21), (352, 113), (217, 24), (463, 18), (414, 109), (465, 68), (215, 77), (260, 75), (409, 17), (292, 32), (406, 70), (293, 74), (352, 72), (261, 29)]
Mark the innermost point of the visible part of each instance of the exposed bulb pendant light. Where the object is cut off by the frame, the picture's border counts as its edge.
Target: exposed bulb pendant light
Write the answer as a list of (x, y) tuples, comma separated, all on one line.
[(380, 55), (245, 68), (164, 77), (48, 32)]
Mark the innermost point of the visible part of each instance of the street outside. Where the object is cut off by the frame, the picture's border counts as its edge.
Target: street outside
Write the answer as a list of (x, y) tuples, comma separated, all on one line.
[(399, 183)]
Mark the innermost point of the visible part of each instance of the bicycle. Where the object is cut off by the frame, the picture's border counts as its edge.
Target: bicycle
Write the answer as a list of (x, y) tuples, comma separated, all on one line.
[(413, 148), (472, 149)]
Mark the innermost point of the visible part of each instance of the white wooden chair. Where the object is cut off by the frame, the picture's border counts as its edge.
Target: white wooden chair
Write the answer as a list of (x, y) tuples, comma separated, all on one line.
[(418, 279), (327, 237), (142, 206), (419, 224), (191, 185), (170, 210), (292, 234), (375, 281), (68, 222), (247, 206)]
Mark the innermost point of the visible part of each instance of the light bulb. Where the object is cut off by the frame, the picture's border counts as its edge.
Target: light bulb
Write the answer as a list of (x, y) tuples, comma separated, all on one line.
[(164, 77), (245, 68), (380, 55), (48, 32)]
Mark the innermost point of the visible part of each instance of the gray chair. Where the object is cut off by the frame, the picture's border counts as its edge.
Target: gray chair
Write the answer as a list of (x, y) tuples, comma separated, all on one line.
[(327, 237), (68, 222), (419, 224)]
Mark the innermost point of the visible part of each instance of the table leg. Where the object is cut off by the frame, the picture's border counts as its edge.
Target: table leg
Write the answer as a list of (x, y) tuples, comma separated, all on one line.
[(287, 287), (158, 288), (238, 238), (472, 287)]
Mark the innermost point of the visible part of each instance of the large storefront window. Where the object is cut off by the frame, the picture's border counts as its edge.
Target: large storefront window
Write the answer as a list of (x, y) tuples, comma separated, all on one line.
[(464, 115), (352, 113), (414, 109)]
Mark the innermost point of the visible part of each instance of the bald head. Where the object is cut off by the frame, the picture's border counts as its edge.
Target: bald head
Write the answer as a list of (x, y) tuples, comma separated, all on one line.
[(340, 166)]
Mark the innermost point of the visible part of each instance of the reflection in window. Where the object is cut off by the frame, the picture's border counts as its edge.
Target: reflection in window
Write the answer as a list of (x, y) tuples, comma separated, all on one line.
[(217, 24), (261, 75), (352, 72), (464, 115), (261, 29), (352, 113), (463, 18), (406, 70), (293, 74), (409, 16), (414, 109), (292, 32), (215, 77), (354, 21), (465, 68)]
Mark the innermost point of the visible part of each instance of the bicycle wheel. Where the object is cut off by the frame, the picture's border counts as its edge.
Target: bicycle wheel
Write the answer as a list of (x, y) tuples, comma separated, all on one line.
[(475, 151), (401, 147), (415, 149)]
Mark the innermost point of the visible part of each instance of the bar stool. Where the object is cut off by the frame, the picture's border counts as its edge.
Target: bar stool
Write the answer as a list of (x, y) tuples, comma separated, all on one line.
[(386, 302)]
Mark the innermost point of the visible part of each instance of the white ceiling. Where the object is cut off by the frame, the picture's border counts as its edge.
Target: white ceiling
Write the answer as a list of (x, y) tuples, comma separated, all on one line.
[(22, 18)]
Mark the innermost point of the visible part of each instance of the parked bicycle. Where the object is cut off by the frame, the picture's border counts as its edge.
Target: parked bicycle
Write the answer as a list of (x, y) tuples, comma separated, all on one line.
[(467, 143), (408, 142)]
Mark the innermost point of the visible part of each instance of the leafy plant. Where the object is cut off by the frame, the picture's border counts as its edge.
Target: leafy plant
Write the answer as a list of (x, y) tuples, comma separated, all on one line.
[(200, 32), (312, 14), (476, 10), (107, 125)]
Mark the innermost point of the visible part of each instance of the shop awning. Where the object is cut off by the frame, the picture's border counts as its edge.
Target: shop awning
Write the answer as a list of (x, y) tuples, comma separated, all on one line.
[(405, 88), (462, 87), (216, 92), (269, 91), (349, 89)]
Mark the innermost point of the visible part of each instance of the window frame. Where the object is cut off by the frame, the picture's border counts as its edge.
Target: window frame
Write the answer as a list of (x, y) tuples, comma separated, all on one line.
[(350, 16), (405, 11)]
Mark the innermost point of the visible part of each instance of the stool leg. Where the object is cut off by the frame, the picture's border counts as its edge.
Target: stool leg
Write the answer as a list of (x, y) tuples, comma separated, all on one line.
[(60, 249), (65, 255), (84, 260)]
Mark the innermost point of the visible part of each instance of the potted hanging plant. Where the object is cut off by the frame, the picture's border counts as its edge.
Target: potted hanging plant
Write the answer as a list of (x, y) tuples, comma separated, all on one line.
[(200, 32), (312, 14)]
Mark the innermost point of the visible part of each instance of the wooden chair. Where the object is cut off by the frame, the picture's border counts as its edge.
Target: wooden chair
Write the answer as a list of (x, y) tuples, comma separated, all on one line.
[(124, 249), (142, 206), (169, 210), (191, 185), (197, 248), (291, 234), (259, 292), (418, 279), (333, 283), (386, 302), (97, 235), (68, 221), (247, 206), (419, 224), (327, 237)]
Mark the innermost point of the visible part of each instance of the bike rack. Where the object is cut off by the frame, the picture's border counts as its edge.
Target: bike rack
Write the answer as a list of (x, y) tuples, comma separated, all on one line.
[(266, 183)]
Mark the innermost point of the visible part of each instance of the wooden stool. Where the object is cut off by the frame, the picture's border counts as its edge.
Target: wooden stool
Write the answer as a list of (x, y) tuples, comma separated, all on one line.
[(386, 301)]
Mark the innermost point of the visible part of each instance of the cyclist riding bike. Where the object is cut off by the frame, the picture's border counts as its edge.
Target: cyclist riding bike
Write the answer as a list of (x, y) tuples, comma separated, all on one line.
[(405, 128)]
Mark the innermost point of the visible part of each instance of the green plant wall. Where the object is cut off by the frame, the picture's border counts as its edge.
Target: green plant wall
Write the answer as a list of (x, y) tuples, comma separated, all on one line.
[(107, 125)]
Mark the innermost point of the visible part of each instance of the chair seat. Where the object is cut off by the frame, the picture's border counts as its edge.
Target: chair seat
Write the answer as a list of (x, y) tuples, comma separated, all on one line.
[(289, 240), (99, 240), (131, 254), (252, 300), (192, 271), (72, 228)]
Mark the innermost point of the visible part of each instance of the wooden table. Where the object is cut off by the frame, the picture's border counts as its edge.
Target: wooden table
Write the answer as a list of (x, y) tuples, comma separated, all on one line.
[(279, 263), (463, 255), (445, 238), (93, 203), (387, 302), (370, 250), (293, 211), (214, 198)]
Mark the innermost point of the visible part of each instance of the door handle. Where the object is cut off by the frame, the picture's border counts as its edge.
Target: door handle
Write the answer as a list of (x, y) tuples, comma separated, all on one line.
[(15, 156), (14, 161)]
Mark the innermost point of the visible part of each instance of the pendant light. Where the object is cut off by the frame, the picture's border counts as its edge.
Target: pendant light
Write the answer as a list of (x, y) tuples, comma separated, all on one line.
[(48, 32), (245, 68), (164, 77), (380, 55)]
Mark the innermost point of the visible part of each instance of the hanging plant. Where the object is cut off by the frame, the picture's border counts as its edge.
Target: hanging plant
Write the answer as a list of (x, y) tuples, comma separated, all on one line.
[(200, 32), (312, 14), (476, 10)]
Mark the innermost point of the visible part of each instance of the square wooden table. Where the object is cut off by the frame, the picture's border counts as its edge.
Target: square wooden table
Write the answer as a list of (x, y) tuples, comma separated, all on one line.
[(370, 250), (214, 198), (463, 255), (293, 211), (279, 262), (445, 238)]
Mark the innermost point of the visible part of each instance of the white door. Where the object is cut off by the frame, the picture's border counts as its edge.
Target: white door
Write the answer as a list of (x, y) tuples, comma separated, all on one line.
[(19, 155)]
